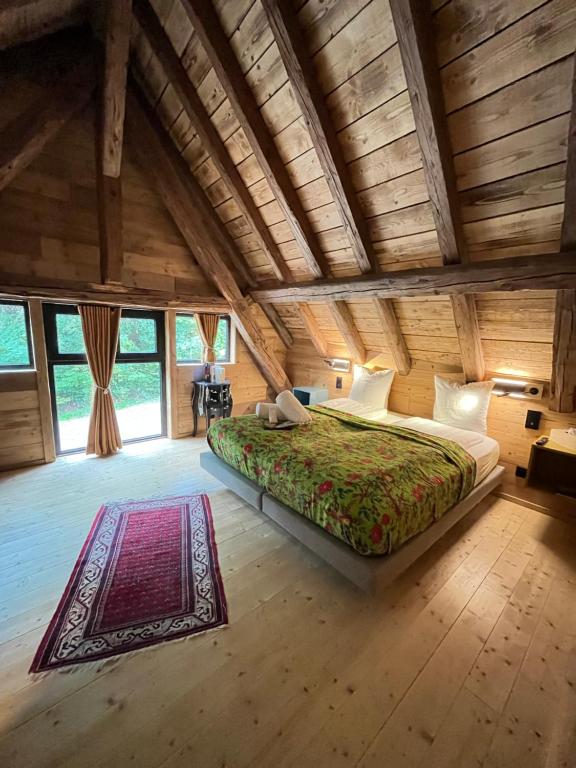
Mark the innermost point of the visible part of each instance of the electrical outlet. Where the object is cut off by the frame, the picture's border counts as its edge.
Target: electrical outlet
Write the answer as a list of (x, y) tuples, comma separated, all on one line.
[(521, 471), (338, 382)]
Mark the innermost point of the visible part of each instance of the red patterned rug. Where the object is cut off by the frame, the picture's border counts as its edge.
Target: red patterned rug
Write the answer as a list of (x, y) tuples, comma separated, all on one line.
[(148, 572)]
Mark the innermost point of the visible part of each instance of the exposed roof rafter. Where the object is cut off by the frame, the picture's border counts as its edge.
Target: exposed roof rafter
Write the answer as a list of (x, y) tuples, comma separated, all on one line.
[(208, 28), (208, 134), (306, 88), (414, 27), (200, 228)]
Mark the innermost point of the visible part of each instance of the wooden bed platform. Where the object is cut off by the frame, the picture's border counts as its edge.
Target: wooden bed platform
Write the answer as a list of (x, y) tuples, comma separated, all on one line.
[(371, 574)]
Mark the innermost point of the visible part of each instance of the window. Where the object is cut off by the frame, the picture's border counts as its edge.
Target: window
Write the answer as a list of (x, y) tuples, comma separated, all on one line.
[(138, 380), (189, 343), (15, 339)]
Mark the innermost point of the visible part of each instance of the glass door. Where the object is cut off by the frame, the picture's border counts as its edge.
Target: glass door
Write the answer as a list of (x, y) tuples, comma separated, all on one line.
[(138, 380)]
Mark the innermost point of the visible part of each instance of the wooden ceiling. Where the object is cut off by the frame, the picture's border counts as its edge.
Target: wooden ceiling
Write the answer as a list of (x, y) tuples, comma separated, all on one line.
[(397, 143)]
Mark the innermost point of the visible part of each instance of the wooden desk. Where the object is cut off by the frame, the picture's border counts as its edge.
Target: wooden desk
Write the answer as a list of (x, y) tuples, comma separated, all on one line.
[(553, 466)]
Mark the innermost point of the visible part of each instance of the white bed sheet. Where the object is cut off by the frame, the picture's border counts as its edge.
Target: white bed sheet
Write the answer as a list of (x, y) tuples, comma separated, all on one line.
[(484, 450)]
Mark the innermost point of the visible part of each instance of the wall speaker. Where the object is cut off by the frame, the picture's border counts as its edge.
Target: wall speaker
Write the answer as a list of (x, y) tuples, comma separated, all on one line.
[(533, 419)]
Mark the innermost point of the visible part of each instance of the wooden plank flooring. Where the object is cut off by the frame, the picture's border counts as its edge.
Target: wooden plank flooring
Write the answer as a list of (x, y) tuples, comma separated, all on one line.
[(469, 659)]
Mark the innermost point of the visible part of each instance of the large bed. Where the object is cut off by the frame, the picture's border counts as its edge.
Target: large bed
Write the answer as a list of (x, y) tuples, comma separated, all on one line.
[(367, 489)]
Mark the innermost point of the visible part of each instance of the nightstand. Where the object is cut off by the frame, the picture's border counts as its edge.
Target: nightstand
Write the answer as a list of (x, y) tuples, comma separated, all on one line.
[(553, 466), (310, 395), (211, 401)]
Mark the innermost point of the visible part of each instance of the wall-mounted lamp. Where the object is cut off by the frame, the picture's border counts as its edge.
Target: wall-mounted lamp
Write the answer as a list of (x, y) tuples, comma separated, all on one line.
[(519, 389), (338, 364)]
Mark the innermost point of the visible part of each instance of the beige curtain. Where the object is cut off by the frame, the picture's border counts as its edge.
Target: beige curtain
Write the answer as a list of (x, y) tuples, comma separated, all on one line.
[(100, 326), (208, 327)]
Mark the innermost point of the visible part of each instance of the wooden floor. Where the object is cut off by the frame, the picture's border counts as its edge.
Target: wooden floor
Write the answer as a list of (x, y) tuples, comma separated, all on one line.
[(468, 660)]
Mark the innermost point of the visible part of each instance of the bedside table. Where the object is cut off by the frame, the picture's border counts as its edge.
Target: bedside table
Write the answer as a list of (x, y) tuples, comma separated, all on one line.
[(553, 466), (211, 401), (310, 395)]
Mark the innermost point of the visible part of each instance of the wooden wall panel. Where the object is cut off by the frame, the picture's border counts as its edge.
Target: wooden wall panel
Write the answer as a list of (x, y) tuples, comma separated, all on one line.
[(48, 224), (21, 441), (414, 395)]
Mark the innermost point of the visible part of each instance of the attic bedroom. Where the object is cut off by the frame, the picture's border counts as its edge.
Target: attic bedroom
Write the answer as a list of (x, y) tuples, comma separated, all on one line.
[(287, 383)]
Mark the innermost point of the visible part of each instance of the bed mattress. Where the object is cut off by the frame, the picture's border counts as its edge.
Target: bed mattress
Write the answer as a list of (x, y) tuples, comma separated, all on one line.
[(373, 485), (484, 450)]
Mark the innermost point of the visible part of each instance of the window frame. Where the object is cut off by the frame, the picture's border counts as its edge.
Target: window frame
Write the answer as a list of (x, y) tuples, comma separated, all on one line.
[(55, 357), (229, 345), (30, 366)]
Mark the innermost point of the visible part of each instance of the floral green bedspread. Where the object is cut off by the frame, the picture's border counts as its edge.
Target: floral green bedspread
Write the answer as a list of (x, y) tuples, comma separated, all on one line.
[(372, 486)]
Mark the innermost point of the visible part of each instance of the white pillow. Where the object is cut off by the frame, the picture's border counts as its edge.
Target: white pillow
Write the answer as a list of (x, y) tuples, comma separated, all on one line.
[(372, 388), (462, 405)]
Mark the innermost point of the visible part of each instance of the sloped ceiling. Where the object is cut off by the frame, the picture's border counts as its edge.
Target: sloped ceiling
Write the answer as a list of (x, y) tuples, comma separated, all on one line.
[(506, 72)]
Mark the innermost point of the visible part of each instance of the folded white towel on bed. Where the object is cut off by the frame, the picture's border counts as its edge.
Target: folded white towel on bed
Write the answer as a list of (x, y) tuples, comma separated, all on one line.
[(269, 412), (292, 408)]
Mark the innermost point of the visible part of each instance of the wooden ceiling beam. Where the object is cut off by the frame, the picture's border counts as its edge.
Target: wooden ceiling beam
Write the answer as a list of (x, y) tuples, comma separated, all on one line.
[(25, 137), (394, 337), (70, 291), (347, 327), (24, 20), (299, 66), (209, 30), (278, 324), (538, 272), (194, 108), (313, 329), (116, 50), (306, 88), (563, 383), (200, 227), (415, 30)]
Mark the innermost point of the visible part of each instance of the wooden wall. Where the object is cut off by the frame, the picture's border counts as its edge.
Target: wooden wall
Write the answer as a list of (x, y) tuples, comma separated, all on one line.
[(414, 395), (49, 229), (21, 440), (48, 220)]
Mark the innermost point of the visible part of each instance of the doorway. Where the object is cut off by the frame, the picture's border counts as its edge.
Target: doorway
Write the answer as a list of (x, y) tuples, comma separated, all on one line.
[(138, 382)]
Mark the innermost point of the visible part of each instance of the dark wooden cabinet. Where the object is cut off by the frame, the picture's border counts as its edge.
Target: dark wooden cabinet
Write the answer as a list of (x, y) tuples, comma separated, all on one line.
[(553, 467), (211, 401)]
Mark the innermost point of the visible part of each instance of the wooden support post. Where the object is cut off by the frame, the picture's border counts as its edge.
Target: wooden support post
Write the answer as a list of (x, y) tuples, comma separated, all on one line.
[(414, 27), (116, 50), (118, 17), (109, 193), (200, 228)]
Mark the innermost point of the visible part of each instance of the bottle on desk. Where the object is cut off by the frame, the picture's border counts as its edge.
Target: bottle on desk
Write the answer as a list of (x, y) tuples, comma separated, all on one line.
[(207, 373)]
